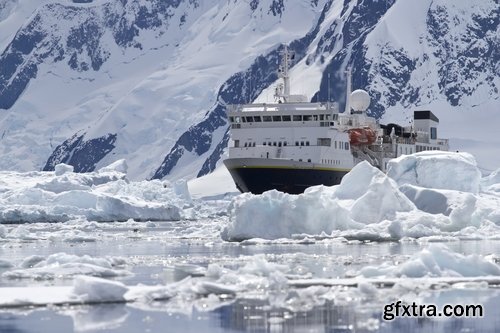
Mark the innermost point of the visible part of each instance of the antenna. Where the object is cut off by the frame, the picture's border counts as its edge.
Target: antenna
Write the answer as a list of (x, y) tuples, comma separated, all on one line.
[(286, 77), (348, 90), (284, 90), (328, 100)]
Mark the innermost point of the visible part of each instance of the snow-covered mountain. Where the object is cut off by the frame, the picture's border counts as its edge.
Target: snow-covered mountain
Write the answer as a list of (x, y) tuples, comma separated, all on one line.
[(89, 82)]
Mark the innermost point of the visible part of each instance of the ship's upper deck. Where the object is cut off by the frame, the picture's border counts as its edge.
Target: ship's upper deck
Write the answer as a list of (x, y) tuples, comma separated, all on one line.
[(294, 115), (282, 115)]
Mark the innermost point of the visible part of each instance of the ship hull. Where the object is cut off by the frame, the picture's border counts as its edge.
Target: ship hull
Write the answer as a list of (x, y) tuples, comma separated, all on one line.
[(257, 175)]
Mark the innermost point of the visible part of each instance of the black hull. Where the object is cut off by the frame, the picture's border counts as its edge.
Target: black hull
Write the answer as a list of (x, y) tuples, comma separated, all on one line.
[(289, 180)]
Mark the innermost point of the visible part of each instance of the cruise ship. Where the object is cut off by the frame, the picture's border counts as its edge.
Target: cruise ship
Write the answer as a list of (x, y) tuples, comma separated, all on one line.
[(293, 144)]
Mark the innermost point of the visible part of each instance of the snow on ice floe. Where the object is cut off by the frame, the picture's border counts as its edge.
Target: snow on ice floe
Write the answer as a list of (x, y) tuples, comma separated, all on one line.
[(422, 195), (438, 170), (436, 261), (104, 195), (63, 265), (261, 279)]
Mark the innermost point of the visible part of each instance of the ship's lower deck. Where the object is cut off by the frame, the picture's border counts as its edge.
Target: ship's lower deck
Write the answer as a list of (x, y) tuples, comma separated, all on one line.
[(258, 175)]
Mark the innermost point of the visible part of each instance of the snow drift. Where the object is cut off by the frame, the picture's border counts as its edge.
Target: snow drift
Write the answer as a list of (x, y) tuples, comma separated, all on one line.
[(425, 194)]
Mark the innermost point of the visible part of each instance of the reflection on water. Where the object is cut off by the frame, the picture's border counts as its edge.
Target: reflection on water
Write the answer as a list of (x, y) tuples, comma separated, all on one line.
[(154, 256), (246, 315)]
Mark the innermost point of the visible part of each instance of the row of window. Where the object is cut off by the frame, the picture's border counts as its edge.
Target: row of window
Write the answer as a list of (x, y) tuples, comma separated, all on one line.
[(284, 143), (424, 148), (279, 118), (341, 145), (333, 162), (406, 150), (321, 142)]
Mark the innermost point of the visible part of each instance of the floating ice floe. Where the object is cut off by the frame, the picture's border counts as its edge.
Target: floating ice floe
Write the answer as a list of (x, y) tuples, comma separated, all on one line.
[(260, 279), (104, 195), (437, 170), (436, 261), (424, 194), (62, 265)]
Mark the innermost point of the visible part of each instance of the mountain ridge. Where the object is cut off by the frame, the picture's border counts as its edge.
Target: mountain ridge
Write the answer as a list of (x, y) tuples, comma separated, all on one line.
[(149, 83)]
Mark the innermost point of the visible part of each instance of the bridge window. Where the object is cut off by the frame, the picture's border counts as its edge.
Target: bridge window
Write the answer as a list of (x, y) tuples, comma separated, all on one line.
[(307, 118), (276, 118), (296, 143), (231, 119), (347, 146), (287, 118), (264, 143), (321, 117), (324, 142), (236, 143), (266, 118), (297, 118), (301, 143), (284, 143), (257, 119), (274, 143), (249, 119), (433, 133), (279, 144), (307, 143)]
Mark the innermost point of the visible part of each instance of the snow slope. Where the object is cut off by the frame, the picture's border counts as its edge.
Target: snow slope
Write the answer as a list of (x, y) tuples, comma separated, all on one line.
[(90, 83)]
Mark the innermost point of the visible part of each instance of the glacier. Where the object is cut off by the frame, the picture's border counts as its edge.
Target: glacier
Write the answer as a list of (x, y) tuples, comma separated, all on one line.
[(87, 83)]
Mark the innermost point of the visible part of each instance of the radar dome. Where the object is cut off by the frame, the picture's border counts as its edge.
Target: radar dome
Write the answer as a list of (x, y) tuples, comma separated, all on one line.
[(360, 100)]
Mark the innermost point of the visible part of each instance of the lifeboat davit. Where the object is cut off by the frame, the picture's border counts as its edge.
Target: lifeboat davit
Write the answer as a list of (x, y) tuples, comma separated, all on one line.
[(362, 136)]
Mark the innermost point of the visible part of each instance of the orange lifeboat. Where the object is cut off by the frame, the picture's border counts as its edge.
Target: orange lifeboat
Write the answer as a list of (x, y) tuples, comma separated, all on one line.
[(362, 136)]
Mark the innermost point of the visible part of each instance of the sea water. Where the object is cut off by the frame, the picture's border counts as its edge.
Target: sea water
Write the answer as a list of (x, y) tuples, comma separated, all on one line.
[(164, 253)]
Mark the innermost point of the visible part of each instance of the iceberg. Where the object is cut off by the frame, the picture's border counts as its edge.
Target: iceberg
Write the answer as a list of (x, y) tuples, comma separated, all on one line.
[(424, 194), (104, 195)]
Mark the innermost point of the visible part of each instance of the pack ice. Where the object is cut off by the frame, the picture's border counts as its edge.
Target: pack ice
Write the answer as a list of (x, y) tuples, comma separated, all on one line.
[(104, 195), (428, 194)]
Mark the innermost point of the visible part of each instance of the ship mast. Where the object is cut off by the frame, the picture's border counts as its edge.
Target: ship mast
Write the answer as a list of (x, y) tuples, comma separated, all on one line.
[(283, 90), (286, 77), (348, 91)]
